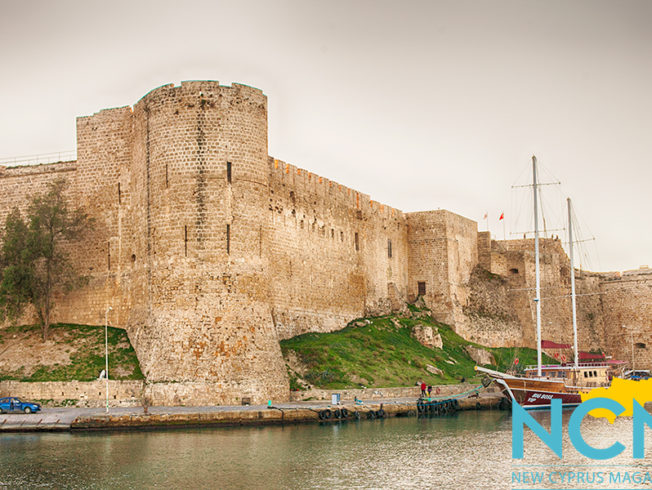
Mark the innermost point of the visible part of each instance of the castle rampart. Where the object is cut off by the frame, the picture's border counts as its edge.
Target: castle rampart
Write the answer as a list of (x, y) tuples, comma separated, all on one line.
[(627, 312), (337, 254), (209, 250)]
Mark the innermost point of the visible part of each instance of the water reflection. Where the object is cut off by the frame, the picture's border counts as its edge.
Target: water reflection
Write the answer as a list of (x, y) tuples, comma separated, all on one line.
[(471, 449)]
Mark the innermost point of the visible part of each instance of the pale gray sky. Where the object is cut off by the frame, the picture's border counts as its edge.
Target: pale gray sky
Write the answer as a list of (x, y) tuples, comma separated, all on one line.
[(422, 105)]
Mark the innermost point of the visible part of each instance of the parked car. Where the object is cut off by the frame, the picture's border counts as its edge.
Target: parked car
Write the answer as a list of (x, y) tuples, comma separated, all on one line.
[(13, 404)]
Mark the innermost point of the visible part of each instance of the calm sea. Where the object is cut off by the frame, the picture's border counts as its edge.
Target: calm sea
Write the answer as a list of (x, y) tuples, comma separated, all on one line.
[(468, 450)]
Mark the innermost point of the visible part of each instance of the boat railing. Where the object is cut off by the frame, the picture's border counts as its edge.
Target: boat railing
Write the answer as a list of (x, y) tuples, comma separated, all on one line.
[(568, 366), (595, 364)]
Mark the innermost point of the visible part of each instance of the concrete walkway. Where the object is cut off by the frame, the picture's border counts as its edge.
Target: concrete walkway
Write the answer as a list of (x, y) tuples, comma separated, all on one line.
[(65, 419), (52, 419)]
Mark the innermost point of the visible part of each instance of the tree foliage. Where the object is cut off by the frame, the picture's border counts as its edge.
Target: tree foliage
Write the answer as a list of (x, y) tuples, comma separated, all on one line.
[(34, 259)]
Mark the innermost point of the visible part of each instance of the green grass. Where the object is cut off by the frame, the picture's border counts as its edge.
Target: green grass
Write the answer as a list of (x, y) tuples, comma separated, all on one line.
[(385, 355), (86, 364), (49, 402)]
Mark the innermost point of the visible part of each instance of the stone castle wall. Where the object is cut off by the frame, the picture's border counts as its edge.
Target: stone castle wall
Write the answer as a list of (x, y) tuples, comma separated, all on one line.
[(77, 393), (609, 305), (627, 311), (205, 290), (514, 261), (443, 252), (210, 251), (330, 247)]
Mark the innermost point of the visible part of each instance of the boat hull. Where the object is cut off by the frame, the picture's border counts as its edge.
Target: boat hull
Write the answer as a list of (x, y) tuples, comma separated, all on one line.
[(535, 394)]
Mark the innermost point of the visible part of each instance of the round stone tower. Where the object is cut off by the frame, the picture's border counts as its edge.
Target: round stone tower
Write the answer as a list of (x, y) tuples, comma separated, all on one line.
[(200, 313)]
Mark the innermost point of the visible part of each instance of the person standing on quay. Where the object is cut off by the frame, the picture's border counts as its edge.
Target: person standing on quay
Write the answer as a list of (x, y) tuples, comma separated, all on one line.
[(423, 389)]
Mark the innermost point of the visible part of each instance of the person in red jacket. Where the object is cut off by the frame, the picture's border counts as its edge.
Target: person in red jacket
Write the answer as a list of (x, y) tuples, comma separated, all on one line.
[(423, 389)]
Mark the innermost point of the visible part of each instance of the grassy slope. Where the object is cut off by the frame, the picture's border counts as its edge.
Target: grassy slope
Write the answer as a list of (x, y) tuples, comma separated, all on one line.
[(86, 347), (384, 355)]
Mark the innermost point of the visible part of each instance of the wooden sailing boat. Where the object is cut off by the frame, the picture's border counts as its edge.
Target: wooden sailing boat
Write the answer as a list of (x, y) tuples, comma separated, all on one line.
[(542, 384)]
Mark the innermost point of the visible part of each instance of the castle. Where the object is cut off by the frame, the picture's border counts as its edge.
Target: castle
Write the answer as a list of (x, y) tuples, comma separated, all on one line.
[(210, 251)]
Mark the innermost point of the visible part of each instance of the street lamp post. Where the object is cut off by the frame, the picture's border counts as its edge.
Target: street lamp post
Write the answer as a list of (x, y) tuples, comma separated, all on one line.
[(106, 354)]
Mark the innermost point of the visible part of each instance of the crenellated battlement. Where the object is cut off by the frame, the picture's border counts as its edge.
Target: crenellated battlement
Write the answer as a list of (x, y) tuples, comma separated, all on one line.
[(205, 89), (312, 184)]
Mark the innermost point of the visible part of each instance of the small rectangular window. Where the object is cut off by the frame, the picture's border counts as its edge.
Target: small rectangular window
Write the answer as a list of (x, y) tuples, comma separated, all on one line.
[(341, 236), (357, 242), (332, 233), (421, 286), (389, 249), (228, 239), (185, 240), (108, 256), (167, 181), (228, 172), (119, 194)]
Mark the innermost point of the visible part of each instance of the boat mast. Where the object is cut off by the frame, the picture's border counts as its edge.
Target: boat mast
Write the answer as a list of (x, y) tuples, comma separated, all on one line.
[(570, 241), (537, 299)]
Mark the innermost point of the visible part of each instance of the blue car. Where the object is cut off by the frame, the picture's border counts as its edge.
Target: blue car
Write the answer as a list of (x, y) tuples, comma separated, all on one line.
[(12, 404)]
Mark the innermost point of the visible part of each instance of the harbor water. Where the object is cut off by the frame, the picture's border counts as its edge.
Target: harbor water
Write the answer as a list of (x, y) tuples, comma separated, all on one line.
[(467, 450)]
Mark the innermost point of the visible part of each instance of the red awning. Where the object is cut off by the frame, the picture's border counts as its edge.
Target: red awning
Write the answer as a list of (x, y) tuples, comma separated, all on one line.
[(589, 355), (549, 344)]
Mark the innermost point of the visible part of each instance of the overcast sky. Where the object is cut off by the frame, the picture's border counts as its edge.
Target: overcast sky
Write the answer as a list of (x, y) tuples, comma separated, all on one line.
[(422, 105)]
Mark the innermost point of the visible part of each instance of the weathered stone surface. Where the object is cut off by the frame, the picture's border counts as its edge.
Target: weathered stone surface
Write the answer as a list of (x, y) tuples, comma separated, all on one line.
[(480, 356), (420, 302), (425, 335), (359, 380), (434, 370), (77, 393)]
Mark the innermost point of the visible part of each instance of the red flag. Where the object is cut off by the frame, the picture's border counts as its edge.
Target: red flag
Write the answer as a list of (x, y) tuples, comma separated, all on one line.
[(502, 216)]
